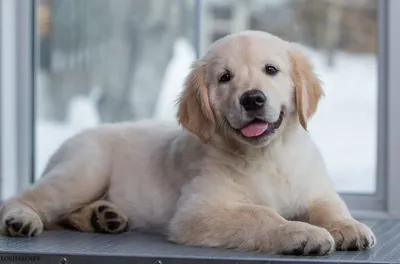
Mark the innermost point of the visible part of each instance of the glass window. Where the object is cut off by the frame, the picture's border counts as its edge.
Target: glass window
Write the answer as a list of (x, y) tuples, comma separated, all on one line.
[(107, 61), (340, 38)]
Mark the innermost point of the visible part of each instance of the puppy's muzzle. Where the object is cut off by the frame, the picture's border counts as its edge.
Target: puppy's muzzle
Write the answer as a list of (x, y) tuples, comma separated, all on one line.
[(252, 100)]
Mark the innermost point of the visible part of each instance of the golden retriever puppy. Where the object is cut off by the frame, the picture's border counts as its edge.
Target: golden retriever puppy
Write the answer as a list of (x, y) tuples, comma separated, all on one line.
[(244, 172)]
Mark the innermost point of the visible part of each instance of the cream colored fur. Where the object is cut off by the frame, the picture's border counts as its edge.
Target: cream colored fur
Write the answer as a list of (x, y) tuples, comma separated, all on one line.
[(203, 184)]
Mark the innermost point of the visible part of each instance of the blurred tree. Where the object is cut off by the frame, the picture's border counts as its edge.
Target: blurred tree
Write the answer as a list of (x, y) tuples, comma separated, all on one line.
[(332, 25), (118, 50)]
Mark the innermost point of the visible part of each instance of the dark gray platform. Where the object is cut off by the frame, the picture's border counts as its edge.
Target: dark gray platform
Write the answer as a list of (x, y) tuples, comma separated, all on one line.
[(76, 248)]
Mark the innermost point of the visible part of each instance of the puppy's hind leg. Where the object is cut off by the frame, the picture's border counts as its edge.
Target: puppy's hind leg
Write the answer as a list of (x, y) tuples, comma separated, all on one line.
[(77, 174), (100, 216)]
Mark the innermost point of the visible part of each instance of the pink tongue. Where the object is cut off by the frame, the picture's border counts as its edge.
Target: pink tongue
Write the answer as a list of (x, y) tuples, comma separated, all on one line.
[(254, 129)]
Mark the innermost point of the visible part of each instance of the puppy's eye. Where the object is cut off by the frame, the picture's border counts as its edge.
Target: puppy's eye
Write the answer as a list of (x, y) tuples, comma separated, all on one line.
[(226, 77), (270, 70)]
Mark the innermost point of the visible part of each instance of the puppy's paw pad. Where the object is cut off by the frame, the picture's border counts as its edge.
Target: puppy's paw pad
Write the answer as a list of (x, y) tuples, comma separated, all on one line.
[(309, 249), (22, 223), (107, 218), (307, 240), (352, 235), (319, 247), (296, 250), (316, 250)]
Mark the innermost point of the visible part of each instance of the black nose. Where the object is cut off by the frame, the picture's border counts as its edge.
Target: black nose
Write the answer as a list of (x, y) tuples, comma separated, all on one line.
[(252, 100)]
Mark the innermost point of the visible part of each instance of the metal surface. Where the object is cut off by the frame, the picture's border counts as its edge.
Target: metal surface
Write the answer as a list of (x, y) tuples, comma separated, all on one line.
[(76, 247)]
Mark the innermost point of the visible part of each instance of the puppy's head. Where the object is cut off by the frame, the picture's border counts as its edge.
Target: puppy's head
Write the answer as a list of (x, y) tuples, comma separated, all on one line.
[(246, 88)]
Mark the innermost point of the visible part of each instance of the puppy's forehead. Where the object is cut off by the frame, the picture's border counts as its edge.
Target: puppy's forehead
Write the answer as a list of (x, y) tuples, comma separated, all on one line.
[(248, 47)]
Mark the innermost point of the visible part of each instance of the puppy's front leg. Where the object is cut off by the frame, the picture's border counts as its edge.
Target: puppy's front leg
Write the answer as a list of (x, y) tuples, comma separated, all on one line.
[(331, 213), (246, 227)]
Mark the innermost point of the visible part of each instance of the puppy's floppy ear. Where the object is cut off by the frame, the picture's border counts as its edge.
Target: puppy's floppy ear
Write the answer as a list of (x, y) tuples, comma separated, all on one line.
[(194, 109), (308, 90)]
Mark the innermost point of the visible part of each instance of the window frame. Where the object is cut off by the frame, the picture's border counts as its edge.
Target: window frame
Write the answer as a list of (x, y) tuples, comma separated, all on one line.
[(393, 113), (20, 110), (377, 202), (383, 203), (1, 94), (386, 201), (7, 96), (17, 102)]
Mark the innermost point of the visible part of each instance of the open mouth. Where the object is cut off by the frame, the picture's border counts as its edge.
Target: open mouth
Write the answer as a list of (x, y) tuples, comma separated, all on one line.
[(259, 128)]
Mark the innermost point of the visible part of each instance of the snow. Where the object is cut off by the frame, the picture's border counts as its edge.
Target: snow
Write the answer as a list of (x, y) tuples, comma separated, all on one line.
[(50, 135), (345, 126), (177, 70)]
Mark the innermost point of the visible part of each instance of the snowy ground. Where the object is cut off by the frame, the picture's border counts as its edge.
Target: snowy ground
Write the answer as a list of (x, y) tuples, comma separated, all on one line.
[(344, 127)]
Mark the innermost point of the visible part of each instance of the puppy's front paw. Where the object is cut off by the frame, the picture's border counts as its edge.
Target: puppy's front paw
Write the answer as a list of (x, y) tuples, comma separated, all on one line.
[(304, 239), (20, 220), (352, 235)]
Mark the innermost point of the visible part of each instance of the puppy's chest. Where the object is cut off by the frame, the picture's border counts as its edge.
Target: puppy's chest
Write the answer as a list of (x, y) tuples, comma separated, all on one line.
[(278, 187)]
